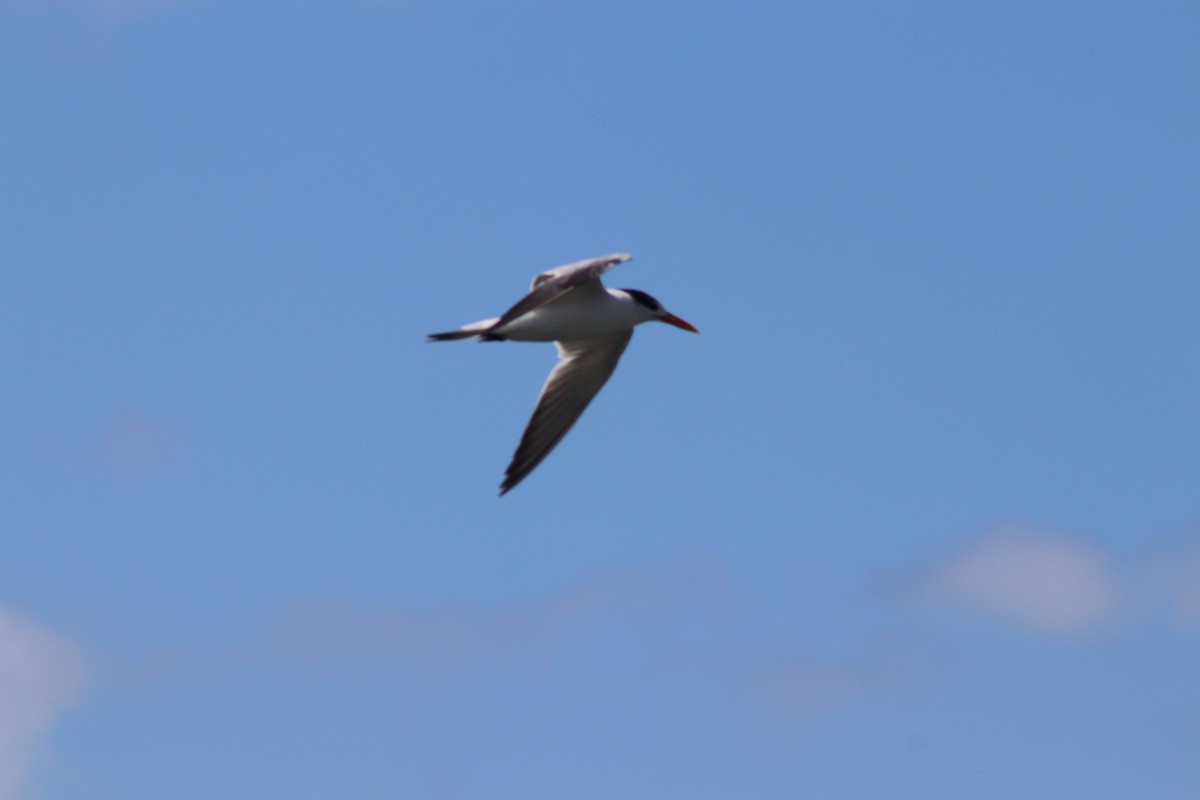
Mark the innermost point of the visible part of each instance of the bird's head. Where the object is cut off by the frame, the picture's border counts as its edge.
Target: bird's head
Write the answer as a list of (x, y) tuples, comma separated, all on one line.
[(654, 310)]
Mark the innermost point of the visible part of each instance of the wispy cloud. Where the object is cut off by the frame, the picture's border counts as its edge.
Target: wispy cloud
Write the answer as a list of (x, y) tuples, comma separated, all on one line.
[(442, 640), (1186, 589), (1055, 585), (106, 9), (1034, 581), (1040, 583), (40, 675), (1171, 581), (799, 687), (136, 444), (127, 9), (75, 29), (449, 641)]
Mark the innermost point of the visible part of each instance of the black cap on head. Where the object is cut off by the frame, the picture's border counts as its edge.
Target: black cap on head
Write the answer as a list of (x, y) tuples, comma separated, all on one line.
[(644, 299)]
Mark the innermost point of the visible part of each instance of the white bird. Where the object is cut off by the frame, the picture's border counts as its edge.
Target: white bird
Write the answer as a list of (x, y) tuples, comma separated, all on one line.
[(591, 326)]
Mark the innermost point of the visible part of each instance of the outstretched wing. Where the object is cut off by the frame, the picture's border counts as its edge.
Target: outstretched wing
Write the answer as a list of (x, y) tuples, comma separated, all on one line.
[(554, 283), (582, 370)]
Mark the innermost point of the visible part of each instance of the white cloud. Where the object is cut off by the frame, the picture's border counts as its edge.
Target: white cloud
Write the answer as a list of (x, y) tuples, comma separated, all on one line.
[(1034, 581), (40, 675)]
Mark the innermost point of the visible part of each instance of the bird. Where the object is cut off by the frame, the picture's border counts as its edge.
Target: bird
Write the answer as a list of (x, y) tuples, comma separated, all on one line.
[(590, 325)]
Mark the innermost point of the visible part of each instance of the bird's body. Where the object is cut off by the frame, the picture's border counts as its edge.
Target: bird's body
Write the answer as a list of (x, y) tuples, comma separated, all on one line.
[(574, 315), (591, 326)]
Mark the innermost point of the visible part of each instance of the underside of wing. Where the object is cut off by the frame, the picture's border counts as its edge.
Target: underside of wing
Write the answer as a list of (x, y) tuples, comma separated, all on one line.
[(552, 284), (582, 370)]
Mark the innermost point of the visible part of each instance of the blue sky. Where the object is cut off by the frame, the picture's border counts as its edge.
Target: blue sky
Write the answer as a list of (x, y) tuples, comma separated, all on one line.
[(916, 515)]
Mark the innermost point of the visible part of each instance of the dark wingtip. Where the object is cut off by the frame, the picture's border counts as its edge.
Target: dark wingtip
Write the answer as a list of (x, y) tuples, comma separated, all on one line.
[(510, 482)]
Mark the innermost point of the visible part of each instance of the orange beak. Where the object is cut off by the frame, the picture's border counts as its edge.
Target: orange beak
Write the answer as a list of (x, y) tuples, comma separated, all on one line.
[(671, 319)]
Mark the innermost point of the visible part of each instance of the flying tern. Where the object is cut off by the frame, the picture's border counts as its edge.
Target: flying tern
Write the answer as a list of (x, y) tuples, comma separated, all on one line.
[(590, 325)]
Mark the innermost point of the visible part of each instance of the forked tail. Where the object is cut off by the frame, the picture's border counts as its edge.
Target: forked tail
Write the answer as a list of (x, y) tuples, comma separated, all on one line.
[(467, 331), (450, 336)]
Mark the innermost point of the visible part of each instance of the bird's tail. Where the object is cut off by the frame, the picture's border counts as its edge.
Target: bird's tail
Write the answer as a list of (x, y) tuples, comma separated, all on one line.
[(450, 336), (466, 331)]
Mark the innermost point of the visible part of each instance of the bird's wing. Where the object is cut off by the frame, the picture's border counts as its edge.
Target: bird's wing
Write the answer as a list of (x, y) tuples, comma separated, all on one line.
[(581, 271), (554, 283), (583, 368)]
